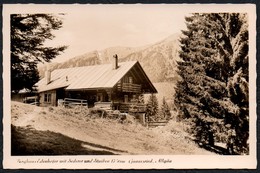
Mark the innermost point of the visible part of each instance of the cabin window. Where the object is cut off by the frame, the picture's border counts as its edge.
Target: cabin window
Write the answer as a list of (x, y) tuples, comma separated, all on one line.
[(128, 79), (134, 98), (47, 97), (125, 98), (109, 95), (131, 80), (99, 97)]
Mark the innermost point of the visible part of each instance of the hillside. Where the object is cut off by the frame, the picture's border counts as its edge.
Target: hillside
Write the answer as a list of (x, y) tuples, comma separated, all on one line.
[(43, 130), (158, 60)]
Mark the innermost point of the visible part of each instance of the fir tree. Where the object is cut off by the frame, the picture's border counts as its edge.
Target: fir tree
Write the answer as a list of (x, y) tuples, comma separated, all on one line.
[(28, 34), (213, 91), (152, 108), (165, 111)]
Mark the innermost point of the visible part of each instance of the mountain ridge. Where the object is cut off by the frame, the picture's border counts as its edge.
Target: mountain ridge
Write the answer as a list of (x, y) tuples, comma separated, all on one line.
[(158, 60)]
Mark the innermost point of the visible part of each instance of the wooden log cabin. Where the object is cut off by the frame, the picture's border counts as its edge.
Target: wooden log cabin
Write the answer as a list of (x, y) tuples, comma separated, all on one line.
[(116, 84)]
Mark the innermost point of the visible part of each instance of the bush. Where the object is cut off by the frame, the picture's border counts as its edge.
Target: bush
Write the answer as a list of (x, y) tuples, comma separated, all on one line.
[(77, 110)]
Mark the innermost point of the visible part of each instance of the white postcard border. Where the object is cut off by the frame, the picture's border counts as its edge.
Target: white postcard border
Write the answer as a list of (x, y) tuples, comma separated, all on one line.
[(105, 162)]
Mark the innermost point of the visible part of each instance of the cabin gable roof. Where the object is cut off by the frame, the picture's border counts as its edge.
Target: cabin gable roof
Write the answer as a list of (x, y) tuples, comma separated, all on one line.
[(91, 77)]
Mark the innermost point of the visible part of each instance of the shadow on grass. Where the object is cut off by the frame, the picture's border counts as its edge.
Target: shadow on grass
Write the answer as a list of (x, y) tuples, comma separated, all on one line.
[(29, 141)]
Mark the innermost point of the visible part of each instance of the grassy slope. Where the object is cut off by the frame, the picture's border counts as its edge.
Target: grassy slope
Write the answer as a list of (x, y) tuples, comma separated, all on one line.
[(54, 130)]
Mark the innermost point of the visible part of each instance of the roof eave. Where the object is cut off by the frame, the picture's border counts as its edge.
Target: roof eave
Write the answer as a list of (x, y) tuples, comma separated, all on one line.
[(88, 89)]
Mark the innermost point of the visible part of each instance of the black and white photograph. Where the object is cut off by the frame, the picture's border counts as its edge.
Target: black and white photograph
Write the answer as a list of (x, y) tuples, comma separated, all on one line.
[(129, 86)]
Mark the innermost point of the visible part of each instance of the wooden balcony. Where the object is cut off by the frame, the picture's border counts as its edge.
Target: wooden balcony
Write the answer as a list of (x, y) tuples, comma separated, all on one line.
[(129, 87)]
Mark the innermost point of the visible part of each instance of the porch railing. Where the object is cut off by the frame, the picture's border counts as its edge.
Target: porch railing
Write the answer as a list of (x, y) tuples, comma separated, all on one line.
[(69, 102), (103, 105), (123, 107)]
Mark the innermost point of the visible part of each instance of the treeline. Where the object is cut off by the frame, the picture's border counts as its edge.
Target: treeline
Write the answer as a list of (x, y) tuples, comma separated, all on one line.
[(155, 112), (213, 91)]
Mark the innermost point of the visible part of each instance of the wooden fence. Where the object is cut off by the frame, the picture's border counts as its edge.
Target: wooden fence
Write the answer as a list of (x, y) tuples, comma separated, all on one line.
[(156, 124)]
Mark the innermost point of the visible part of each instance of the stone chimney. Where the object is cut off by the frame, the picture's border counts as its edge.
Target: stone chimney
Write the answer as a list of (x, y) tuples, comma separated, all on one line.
[(48, 75), (115, 62)]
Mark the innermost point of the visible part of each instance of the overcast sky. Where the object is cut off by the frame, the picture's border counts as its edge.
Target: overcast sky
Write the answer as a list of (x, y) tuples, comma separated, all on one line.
[(95, 27), (99, 27)]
